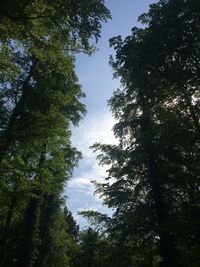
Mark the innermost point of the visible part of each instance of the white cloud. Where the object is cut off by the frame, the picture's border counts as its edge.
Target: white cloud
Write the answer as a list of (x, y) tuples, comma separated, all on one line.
[(79, 182), (95, 128)]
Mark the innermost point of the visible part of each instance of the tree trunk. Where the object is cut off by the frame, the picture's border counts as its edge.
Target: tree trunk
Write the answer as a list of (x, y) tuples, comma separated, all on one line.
[(47, 212), (9, 134), (31, 233), (30, 238), (5, 233), (167, 244)]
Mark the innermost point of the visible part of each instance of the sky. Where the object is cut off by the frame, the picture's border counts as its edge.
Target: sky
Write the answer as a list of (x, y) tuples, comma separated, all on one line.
[(96, 78)]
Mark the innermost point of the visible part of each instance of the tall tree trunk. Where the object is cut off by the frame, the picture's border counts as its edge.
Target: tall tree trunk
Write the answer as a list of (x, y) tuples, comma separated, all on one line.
[(46, 220), (9, 134), (31, 233), (167, 244), (30, 238), (5, 233)]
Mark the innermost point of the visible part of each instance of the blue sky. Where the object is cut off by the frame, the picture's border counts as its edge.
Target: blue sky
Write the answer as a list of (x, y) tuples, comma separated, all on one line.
[(96, 77)]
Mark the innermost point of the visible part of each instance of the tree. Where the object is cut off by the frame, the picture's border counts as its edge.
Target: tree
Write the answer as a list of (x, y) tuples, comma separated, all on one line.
[(158, 134), (39, 99), (94, 249), (72, 227)]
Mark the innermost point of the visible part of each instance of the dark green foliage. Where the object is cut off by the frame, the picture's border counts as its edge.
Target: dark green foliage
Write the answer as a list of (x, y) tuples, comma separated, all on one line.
[(94, 249), (72, 227), (153, 176), (153, 181)]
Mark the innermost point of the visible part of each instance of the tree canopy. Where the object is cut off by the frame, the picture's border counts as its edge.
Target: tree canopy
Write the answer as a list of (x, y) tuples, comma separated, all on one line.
[(153, 172), (155, 167), (39, 99)]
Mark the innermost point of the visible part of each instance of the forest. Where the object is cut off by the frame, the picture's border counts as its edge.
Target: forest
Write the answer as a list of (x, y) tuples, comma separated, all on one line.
[(153, 173)]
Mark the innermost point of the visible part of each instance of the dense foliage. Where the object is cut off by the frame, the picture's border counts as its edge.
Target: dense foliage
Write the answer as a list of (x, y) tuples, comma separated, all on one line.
[(153, 172), (153, 176), (39, 99)]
